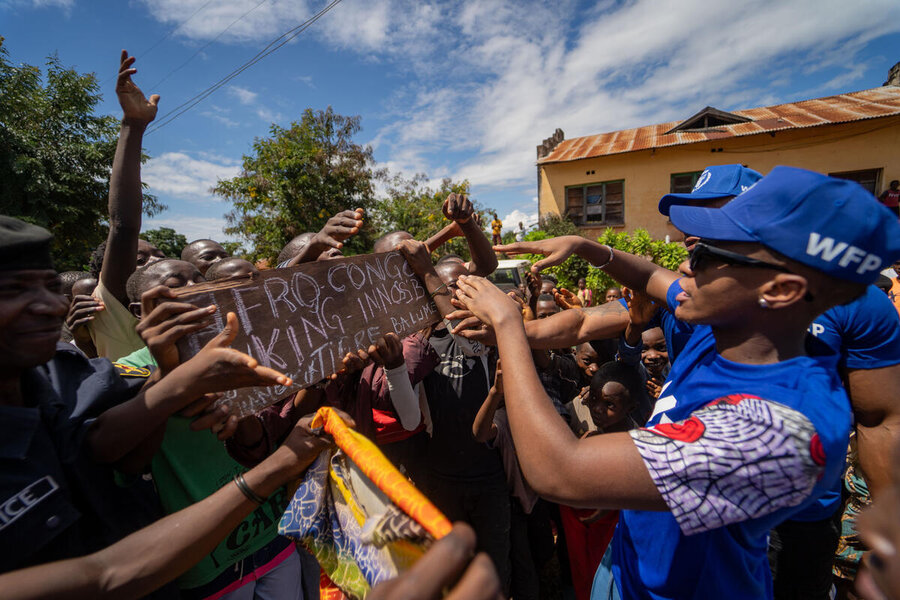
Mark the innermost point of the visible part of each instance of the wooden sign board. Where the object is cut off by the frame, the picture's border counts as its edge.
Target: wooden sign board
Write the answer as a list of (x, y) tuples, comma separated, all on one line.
[(303, 320)]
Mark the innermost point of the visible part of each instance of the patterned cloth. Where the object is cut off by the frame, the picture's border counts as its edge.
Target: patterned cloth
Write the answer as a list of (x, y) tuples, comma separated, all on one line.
[(360, 517), (850, 548)]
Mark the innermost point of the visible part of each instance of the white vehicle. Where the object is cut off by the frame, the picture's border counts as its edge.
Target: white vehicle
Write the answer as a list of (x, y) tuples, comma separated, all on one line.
[(510, 274)]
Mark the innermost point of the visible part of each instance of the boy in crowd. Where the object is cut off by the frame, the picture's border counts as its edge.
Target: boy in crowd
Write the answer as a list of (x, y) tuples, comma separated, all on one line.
[(190, 465), (741, 391), (464, 478), (203, 254), (231, 267)]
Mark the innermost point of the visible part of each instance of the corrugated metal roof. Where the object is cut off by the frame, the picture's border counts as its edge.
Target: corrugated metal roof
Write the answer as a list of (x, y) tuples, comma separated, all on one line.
[(843, 108)]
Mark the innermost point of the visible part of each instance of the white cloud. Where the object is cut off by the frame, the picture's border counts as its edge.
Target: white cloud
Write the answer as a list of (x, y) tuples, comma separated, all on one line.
[(512, 220), (487, 80), (243, 95), (179, 175), (217, 113), (617, 67), (64, 4), (192, 227)]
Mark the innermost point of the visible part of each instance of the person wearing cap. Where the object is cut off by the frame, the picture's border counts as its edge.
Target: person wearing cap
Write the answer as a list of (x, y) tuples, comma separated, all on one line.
[(61, 415), (862, 340), (748, 430)]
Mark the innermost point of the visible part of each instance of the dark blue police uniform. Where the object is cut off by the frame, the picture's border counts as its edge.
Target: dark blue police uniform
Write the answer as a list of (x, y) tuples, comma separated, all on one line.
[(55, 502)]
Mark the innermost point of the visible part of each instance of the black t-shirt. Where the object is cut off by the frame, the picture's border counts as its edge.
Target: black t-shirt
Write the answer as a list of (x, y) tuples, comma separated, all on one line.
[(456, 390)]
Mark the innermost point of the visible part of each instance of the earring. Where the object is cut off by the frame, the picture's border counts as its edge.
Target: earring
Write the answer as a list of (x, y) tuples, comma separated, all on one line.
[(763, 303)]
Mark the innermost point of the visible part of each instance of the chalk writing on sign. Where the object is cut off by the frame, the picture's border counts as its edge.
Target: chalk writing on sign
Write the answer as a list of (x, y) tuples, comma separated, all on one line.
[(303, 320)]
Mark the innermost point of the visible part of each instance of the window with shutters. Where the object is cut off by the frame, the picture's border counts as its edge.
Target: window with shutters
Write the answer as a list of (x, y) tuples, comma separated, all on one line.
[(683, 183), (868, 179), (596, 203)]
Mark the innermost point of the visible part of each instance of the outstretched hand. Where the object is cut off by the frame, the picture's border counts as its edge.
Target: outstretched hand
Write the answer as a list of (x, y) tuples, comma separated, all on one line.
[(487, 301), (387, 351), (556, 250), (163, 324), (339, 228), (470, 327), (640, 307), (565, 299), (135, 106), (449, 562), (220, 368)]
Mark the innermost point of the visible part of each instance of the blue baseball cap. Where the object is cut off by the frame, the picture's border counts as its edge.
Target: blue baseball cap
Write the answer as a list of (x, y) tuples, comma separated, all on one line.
[(720, 181), (829, 224)]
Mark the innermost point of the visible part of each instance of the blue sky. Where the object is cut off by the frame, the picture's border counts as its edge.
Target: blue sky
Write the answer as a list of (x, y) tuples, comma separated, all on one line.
[(462, 89)]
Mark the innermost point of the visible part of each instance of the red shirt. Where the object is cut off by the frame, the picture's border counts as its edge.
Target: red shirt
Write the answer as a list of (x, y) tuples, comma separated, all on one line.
[(890, 198)]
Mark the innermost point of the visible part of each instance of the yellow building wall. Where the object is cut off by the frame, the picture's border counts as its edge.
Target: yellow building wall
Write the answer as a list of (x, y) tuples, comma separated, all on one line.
[(873, 144)]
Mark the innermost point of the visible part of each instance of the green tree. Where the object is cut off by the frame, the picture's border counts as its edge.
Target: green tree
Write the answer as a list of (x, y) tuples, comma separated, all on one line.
[(234, 248), (411, 205), (166, 239), (296, 179), (56, 154), (638, 242)]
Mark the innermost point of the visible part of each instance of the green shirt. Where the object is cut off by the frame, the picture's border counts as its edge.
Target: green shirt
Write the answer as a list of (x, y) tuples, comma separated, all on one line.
[(192, 465)]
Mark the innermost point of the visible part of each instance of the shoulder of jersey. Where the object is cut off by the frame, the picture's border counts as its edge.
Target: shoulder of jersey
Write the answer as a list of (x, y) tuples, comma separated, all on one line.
[(129, 371)]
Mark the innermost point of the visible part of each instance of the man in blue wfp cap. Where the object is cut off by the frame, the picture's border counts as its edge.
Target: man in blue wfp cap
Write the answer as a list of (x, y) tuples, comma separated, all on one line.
[(863, 337), (748, 430), (715, 187)]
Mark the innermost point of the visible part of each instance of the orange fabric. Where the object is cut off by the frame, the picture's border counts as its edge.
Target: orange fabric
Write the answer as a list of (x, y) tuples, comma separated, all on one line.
[(382, 473)]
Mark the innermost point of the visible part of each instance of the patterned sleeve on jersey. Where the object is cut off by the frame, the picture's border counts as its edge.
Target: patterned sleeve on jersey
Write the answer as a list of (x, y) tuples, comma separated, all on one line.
[(738, 458)]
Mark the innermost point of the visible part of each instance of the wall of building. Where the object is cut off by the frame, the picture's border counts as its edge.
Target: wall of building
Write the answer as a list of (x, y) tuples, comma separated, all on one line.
[(872, 144)]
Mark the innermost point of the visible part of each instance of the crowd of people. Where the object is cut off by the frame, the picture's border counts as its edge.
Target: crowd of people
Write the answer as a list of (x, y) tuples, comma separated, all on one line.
[(684, 437)]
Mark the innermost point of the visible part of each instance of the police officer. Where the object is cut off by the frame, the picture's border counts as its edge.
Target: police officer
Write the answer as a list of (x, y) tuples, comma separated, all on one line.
[(55, 502)]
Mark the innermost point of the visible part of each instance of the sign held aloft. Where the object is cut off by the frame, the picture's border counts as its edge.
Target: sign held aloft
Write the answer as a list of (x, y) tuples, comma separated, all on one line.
[(303, 320)]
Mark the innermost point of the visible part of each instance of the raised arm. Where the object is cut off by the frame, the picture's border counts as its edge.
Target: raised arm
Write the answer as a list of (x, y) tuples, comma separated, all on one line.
[(565, 328), (416, 254), (125, 193), (333, 234), (605, 471), (458, 207), (483, 427), (635, 272), (216, 368), (161, 552)]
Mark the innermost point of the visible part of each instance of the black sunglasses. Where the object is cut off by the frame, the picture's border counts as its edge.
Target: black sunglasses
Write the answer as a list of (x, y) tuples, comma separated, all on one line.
[(703, 250)]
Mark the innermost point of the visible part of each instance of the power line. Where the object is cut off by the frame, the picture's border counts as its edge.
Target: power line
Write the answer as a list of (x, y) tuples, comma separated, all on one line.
[(163, 38), (269, 49), (204, 46)]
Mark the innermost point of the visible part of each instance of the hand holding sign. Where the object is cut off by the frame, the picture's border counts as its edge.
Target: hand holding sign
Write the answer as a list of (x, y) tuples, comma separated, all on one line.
[(303, 321), (458, 207)]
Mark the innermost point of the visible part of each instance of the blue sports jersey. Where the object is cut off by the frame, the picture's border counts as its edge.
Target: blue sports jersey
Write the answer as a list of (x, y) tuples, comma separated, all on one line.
[(864, 334), (734, 449)]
